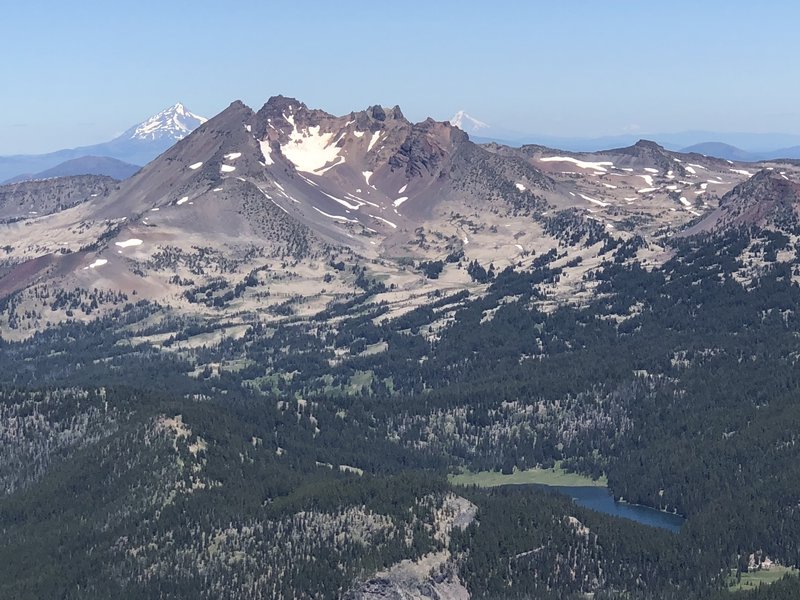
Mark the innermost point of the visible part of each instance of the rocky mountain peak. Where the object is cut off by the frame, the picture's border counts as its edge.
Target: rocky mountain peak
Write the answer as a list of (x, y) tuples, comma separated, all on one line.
[(767, 199), (175, 123), (765, 185), (379, 113), (648, 145), (642, 149), (284, 103), (467, 123)]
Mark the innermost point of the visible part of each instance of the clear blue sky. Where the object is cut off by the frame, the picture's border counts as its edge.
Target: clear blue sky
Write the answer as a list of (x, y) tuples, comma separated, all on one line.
[(79, 72)]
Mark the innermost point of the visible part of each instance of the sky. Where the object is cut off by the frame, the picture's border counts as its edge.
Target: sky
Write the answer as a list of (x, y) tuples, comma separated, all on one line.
[(81, 72)]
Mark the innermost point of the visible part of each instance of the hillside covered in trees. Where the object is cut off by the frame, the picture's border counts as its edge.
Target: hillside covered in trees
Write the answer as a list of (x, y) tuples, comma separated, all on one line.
[(302, 459)]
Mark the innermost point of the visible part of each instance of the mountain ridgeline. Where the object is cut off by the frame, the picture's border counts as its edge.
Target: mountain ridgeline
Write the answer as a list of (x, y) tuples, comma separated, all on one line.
[(252, 369), (118, 158)]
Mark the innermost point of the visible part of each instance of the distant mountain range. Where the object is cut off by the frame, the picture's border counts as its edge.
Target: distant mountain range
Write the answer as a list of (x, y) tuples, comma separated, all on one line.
[(85, 165), (742, 147), (728, 152), (137, 146), (306, 192)]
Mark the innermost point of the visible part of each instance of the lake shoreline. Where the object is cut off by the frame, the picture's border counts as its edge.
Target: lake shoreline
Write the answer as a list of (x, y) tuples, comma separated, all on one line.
[(593, 494)]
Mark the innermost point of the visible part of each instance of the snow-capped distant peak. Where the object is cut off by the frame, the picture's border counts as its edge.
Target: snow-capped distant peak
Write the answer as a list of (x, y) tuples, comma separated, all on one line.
[(175, 122), (467, 123)]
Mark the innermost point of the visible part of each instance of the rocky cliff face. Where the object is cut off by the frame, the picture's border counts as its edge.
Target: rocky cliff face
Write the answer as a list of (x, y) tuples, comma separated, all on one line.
[(442, 586), (433, 577)]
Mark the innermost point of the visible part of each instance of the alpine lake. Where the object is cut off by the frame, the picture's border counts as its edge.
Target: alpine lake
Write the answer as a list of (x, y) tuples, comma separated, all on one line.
[(585, 492)]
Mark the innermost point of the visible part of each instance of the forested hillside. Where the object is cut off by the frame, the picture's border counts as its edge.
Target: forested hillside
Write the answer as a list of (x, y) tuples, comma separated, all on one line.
[(303, 458)]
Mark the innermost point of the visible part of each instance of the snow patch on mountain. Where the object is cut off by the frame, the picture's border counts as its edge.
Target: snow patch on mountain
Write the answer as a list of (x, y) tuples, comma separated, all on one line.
[(266, 151), (335, 217), (373, 140), (648, 179), (344, 203), (388, 222), (311, 151), (175, 122), (129, 243), (97, 263), (593, 201), (467, 123), (583, 164)]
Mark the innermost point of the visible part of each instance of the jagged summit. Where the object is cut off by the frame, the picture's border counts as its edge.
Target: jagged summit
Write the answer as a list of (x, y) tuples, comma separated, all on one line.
[(301, 189), (281, 102), (379, 113), (175, 122)]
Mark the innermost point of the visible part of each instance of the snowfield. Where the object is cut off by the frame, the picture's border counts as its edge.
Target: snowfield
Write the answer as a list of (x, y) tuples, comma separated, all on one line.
[(335, 217), (597, 166), (129, 243), (196, 165), (384, 220), (266, 152), (373, 140), (99, 262), (344, 203), (592, 200), (311, 151)]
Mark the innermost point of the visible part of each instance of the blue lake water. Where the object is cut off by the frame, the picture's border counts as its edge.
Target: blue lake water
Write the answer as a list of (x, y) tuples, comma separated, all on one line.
[(601, 500)]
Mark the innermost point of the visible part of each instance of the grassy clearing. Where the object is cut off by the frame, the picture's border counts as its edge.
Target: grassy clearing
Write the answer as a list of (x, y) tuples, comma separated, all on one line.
[(554, 476), (374, 349), (754, 579), (359, 380)]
